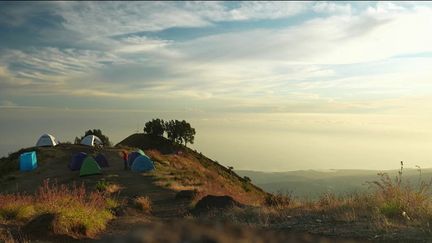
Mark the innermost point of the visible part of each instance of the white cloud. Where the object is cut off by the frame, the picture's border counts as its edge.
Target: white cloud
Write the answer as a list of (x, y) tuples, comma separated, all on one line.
[(266, 10), (136, 44), (332, 8), (334, 40), (247, 10), (53, 64), (116, 18), (277, 67), (9, 82)]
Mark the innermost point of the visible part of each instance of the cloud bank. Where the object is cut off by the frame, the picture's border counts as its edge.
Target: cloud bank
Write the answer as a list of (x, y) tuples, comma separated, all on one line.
[(284, 56)]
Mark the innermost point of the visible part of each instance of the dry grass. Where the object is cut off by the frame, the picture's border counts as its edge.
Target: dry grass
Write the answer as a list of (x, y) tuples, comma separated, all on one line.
[(191, 171), (400, 202), (7, 237), (113, 188), (143, 204), (107, 187), (392, 206), (79, 213)]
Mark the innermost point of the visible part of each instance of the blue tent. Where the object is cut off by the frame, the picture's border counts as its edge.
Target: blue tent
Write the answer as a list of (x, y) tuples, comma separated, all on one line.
[(132, 156), (102, 161), (28, 161), (77, 160), (142, 164)]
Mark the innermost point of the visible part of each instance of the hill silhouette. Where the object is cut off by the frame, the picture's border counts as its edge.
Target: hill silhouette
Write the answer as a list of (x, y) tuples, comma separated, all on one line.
[(146, 142)]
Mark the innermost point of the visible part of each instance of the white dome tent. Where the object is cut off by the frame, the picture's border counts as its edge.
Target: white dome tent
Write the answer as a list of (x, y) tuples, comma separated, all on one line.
[(91, 140), (46, 140)]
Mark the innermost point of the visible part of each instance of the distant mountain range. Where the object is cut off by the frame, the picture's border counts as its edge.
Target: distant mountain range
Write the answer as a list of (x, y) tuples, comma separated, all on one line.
[(312, 183)]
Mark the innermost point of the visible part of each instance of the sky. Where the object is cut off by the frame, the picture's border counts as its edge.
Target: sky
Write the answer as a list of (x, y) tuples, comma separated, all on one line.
[(270, 86)]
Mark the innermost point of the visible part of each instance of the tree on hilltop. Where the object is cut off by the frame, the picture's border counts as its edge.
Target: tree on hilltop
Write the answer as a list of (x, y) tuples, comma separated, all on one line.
[(187, 132), (177, 131), (155, 127), (174, 130)]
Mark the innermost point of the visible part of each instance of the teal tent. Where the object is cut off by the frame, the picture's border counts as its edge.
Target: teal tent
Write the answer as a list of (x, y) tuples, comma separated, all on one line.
[(28, 161), (142, 164)]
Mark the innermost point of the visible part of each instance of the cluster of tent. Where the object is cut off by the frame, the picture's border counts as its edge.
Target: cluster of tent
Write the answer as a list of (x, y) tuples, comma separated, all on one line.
[(87, 164), (48, 140), (138, 161)]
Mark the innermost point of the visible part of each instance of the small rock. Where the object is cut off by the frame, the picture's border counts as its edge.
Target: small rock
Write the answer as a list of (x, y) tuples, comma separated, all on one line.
[(216, 202), (41, 225), (186, 194)]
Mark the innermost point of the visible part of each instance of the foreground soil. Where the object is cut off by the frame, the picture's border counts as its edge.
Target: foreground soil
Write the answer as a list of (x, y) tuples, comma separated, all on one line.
[(190, 230)]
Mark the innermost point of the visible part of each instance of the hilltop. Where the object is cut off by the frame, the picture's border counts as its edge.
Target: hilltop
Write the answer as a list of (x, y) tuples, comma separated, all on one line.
[(181, 168)]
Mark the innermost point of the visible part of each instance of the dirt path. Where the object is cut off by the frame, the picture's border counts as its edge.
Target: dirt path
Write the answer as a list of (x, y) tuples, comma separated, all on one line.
[(164, 203)]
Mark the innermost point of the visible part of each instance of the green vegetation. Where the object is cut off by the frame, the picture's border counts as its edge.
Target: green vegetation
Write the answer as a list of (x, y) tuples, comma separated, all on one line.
[(180, 131), (105, 186), (98, 133), (102, 185), (78, 213), (177, 131), (155, 127), (397, 199)]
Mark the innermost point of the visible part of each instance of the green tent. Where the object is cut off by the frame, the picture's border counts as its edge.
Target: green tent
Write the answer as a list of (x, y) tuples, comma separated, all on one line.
[(90, 167)]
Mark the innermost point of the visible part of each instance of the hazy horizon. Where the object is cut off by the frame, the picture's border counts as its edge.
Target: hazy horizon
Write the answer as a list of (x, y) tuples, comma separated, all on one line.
[(269, 86)]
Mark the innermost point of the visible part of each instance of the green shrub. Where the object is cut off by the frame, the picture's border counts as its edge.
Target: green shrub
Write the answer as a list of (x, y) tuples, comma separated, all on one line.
[(81, 220), (102, 185), (112, 203), (391, 209), (396, 197)]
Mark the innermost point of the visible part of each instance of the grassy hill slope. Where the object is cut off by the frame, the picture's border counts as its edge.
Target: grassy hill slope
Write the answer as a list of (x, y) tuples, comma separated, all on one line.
[(181, 168)]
